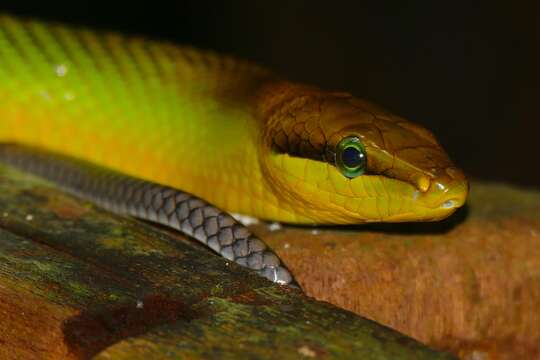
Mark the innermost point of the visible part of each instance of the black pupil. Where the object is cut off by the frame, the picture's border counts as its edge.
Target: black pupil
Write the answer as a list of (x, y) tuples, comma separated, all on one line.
[(352, 157)]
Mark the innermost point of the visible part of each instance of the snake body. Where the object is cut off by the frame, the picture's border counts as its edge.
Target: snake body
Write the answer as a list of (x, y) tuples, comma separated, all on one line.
[(123, 194), (220, 129)]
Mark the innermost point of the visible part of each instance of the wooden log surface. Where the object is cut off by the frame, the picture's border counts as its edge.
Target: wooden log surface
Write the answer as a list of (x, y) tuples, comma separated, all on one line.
[(469, 284), (77, 282)]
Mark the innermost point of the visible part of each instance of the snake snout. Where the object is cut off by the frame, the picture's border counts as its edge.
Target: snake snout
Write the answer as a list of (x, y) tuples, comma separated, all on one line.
[(447, 194), (457, 196), (442, 189)]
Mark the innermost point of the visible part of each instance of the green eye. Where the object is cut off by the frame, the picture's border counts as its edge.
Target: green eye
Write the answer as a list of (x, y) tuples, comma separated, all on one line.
[(351, 157)]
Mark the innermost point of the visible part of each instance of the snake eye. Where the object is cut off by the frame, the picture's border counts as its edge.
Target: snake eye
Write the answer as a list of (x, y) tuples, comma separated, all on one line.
[(351, 157)]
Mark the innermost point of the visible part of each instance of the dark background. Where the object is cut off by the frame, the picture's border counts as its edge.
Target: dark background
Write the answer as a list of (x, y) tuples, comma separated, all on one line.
[(467, 70)]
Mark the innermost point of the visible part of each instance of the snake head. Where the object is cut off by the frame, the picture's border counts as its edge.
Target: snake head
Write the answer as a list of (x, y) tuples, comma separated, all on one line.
[(405, 174)]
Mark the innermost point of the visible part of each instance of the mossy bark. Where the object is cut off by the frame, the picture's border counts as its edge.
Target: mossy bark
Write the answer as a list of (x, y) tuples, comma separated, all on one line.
[(78, 282)]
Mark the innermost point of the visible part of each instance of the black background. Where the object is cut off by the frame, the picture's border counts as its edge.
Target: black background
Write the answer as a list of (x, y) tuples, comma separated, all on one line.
[(469, 71)]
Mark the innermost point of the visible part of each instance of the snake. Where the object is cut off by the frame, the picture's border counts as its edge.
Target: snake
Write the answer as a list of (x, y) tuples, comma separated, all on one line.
[(184, 137)]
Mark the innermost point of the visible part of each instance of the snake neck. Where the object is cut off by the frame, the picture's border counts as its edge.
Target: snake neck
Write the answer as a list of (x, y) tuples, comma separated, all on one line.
[(291, 136)]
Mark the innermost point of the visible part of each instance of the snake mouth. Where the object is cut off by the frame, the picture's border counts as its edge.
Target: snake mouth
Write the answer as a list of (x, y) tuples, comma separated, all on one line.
[(450, 204)]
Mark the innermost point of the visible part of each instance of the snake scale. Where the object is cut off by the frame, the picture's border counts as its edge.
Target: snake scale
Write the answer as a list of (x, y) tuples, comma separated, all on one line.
[(126, 122)]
